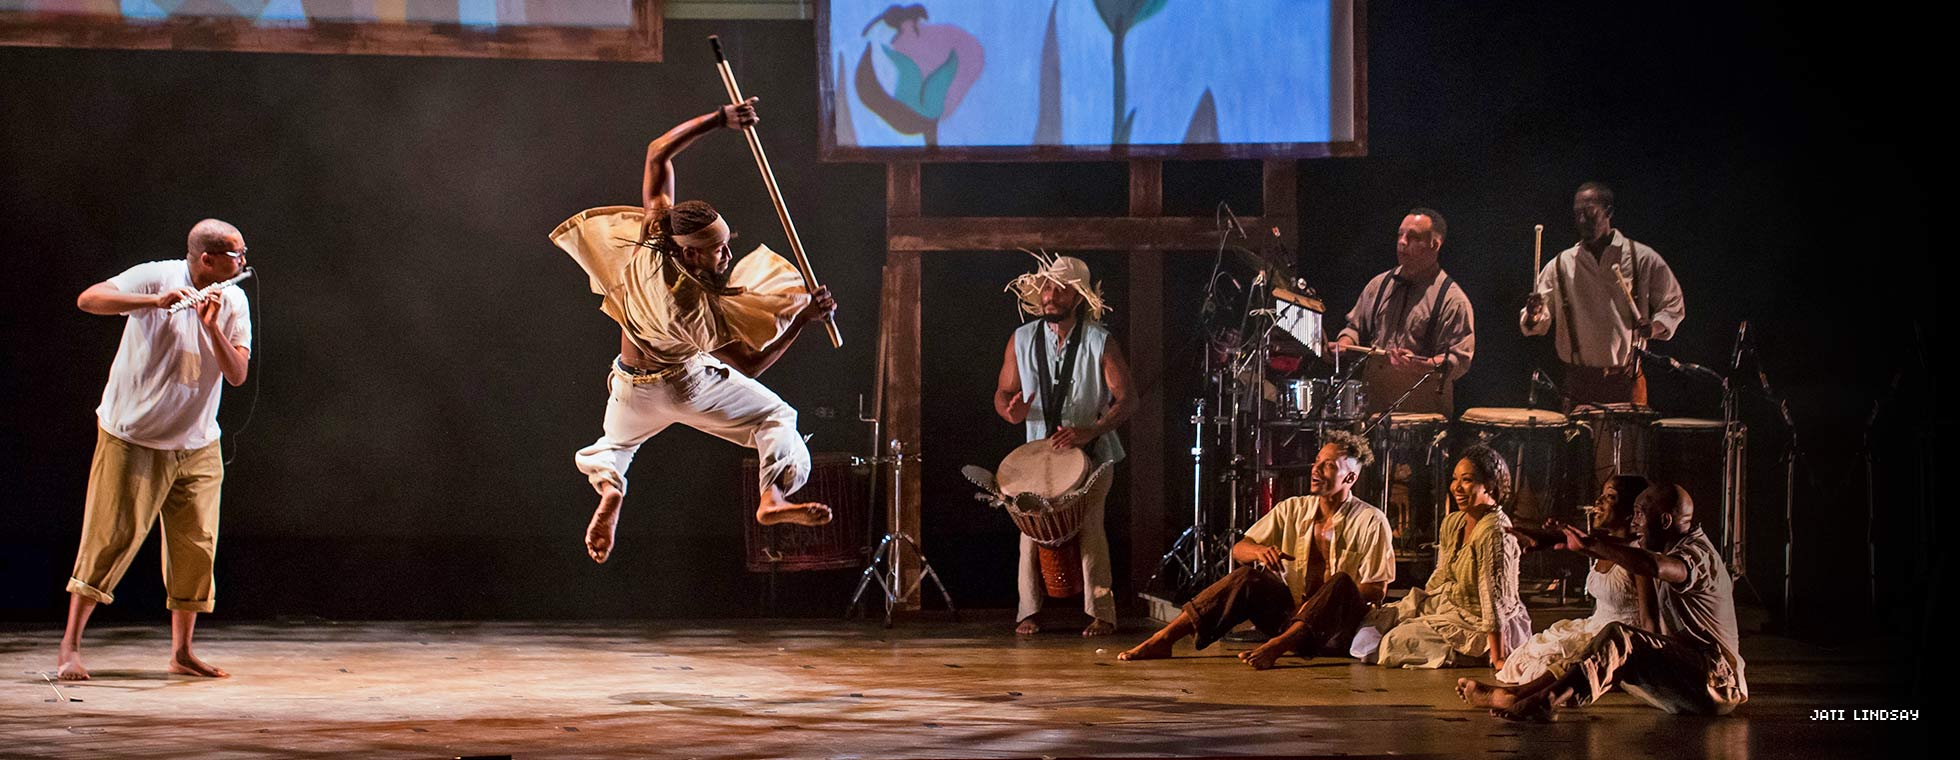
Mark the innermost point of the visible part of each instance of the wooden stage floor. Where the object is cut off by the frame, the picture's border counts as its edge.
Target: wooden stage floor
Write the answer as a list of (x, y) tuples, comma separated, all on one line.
[(819, 688)]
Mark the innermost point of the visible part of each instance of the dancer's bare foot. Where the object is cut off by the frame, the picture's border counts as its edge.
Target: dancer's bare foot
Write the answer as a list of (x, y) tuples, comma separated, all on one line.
[(1486, 695), (1152, 648), (1264, 656), (1536, 708), (811, 514), (70, 662), (1098, 627), (187, 664), (599, 534), (1027, 627)]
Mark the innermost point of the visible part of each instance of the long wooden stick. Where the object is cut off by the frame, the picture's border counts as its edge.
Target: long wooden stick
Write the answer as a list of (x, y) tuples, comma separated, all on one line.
[(775, 193), (1537, 249)]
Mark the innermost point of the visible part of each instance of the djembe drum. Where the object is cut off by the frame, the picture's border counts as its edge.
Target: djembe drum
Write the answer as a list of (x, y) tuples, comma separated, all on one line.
[(1045, 492)]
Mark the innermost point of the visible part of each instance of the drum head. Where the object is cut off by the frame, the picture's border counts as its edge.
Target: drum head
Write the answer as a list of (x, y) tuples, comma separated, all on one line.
[(1614, 410), (1501, 416), (1415, 419), (1037, 467), (1687, 423)]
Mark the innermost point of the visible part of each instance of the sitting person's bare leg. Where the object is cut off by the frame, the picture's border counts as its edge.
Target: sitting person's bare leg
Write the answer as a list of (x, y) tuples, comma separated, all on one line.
[(182, 662), (777, 508), (1098, 627), (1158, 646), (1536, 706), (69, 661), (599, 534), (1496, 696), (1265, 655)]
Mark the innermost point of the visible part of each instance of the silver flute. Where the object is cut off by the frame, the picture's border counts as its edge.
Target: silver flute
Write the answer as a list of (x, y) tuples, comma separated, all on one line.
[(207, 292)]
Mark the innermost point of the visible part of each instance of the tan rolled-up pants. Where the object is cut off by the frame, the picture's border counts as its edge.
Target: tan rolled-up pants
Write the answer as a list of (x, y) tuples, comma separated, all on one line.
[(130, 488)]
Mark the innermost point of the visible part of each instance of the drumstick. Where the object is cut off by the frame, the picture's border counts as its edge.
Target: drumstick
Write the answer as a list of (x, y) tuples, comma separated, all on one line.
[(775, 193), (1537, 251), (1360, 349)]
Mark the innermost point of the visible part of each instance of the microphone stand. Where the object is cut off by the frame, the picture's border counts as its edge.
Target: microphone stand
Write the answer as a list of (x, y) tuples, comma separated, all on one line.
[(1197, 540), (1733, 513)]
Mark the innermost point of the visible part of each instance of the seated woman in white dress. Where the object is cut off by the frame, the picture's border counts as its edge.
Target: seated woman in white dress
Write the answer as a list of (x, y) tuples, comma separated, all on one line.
[(1469, 612), (1611, 587)]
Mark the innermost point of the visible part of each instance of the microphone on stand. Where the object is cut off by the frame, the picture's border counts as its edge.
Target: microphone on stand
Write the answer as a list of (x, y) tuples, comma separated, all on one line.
[(1232, 220), (1741, 336), (1539, 380)]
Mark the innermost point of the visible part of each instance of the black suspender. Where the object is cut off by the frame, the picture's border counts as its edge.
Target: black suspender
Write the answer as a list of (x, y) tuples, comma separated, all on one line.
[(1055, 394)]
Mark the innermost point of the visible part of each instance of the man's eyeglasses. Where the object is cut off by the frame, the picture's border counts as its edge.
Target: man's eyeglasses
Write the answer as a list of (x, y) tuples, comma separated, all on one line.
[(238, 254)]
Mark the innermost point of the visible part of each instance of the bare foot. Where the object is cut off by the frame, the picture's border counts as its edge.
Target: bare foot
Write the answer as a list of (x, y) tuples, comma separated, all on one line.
[(187, 664), (1486, 695), (1535, 708), (1098, 627), (71, 666), (812, 514), (599, 534), (1152, 648), (1027, 627), (1264, 656)]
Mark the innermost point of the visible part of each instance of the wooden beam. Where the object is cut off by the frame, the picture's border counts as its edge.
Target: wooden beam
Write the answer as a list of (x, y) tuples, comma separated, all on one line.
[(1280, 201), (902, 189), (1007, 233), (905, 368), (1146, 188), (1144, 440)]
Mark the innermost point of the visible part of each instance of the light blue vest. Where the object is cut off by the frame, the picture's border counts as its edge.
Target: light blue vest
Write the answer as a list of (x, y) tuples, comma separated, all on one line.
[(1088, 395)]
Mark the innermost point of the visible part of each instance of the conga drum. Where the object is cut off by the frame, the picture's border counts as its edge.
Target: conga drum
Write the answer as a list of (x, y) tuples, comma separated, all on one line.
[(1538, 444), (1691, 453), (1407, 479), (1620, 435), (1548, 468), (1044, 491), (836, 545)]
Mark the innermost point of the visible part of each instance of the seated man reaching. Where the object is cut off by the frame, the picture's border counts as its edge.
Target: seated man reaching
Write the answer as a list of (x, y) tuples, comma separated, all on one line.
[(1347, 559)]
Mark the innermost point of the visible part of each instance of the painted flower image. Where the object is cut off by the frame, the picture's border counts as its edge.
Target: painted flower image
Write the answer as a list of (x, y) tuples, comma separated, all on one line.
[(935, 63), (1120, 16)]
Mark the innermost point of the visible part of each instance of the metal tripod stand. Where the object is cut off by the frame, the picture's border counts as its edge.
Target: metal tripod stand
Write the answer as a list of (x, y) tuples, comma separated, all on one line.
[(891, 578)]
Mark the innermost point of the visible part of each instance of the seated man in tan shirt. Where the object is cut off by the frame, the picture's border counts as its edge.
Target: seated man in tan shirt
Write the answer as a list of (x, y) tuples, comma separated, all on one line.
[(1346, 560)]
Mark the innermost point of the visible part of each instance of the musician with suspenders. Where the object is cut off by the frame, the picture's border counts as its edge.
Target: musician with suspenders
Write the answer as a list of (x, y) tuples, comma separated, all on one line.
[(1603, 299), (1418, 315)]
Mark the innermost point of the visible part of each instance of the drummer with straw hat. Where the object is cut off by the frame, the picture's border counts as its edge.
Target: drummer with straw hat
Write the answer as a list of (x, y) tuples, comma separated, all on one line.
[(1064, 378)]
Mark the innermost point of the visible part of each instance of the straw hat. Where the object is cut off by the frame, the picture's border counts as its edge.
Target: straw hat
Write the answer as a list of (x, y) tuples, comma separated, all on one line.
[(1066, 271)]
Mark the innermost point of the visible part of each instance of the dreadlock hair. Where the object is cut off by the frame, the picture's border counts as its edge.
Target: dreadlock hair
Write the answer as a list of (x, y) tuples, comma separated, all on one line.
[(1352, 446), (1491, 470)]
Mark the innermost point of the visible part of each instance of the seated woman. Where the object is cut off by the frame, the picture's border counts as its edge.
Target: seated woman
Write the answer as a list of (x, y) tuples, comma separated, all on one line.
[(1469, 612), (1610, 586)]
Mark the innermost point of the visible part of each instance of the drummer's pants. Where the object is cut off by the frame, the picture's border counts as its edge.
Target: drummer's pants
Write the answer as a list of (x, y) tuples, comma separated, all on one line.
[(718, 401), (1605, 385), (1254, 593), (1668, 673), (1098, 597)]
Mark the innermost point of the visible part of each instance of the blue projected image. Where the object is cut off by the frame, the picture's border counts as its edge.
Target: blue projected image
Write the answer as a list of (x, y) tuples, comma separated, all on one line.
[(1083, 73)]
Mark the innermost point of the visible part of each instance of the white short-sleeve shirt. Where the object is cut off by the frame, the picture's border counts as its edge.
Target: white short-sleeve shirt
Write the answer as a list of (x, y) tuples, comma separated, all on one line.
[(1363, 545), (164, 386)]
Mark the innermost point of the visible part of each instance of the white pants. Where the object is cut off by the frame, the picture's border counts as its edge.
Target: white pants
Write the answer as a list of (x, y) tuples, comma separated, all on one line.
[(724, 403), (1098, 599)]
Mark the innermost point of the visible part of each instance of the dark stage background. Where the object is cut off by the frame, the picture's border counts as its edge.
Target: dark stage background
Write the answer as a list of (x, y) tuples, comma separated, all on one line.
[(426, 362)]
